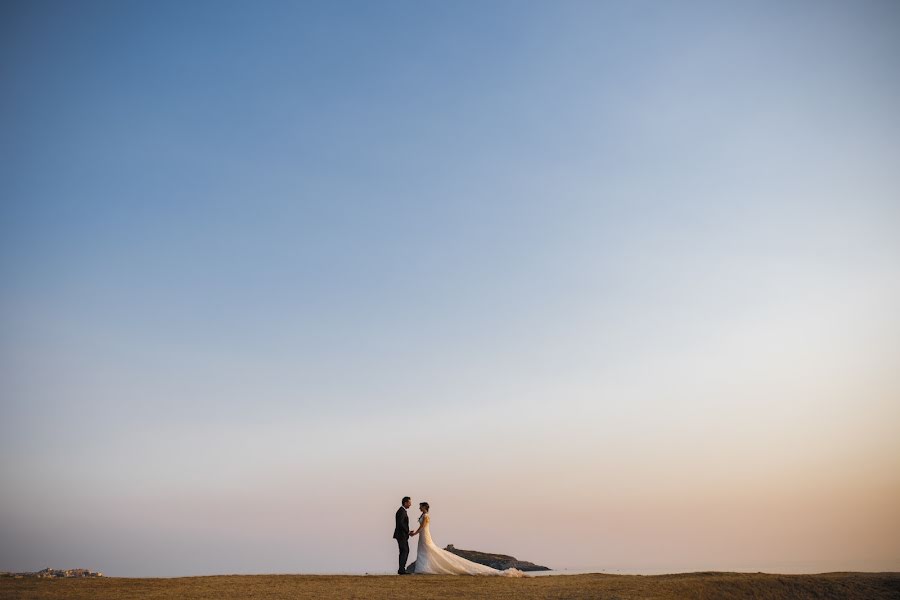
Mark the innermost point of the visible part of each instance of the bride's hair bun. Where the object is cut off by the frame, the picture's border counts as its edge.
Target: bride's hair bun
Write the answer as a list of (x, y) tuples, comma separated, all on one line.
[(425, 504)]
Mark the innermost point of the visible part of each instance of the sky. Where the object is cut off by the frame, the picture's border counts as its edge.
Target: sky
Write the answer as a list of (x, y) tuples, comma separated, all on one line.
[(612, 285)]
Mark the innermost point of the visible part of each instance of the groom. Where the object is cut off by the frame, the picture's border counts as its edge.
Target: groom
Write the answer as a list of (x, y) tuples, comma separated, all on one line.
[(401, 533)]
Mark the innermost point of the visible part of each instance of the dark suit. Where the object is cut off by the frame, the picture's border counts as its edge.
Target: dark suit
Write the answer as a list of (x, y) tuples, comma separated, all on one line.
[(401, 534)]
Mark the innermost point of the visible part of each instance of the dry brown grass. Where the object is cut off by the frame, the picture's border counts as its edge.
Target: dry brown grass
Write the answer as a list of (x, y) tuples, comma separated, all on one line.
[(868, 586)]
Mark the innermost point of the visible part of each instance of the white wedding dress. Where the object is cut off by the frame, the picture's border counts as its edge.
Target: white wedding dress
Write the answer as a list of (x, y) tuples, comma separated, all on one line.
[(432, 560)]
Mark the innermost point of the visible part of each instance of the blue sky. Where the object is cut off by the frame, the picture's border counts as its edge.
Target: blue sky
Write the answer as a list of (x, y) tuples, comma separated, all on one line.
[(250, 243)]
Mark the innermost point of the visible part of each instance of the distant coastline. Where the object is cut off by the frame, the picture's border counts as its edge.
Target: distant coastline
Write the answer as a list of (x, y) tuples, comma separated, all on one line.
[(49, 573)]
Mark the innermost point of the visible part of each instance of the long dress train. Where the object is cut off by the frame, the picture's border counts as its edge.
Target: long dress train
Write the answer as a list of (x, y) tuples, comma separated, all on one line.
[(432, 560)]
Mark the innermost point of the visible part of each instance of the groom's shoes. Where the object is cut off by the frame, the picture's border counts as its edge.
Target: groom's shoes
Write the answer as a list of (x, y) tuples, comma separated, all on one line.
[(403, 573)]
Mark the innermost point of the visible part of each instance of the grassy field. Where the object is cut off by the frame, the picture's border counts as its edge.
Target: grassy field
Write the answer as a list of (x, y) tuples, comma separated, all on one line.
[(868, 586)]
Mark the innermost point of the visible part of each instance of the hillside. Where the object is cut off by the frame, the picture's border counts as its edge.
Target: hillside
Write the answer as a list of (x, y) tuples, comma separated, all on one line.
[(721, 586)]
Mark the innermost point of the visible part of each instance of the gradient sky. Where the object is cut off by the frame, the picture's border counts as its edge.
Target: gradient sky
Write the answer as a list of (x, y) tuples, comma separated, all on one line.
[(613, 285)]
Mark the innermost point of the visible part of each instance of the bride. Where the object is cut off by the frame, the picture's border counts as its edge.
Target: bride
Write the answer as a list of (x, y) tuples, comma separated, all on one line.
[(430, 559)]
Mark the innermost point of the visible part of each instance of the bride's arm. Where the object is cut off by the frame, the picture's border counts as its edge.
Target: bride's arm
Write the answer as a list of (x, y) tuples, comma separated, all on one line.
[(422, 524)]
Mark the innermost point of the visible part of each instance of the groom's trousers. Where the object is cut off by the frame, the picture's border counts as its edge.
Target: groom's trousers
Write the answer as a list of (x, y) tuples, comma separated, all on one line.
[(404, 553)]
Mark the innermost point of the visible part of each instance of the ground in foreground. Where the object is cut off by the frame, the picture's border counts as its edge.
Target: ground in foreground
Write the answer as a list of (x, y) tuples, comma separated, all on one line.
[(870, 586)]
